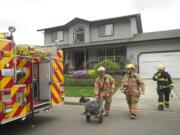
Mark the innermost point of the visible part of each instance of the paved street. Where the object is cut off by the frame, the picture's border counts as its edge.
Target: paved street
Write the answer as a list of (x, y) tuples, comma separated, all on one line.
[(67, 120)]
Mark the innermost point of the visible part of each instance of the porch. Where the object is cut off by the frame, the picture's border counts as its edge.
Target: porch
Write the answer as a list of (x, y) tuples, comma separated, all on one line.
[(85, 58)]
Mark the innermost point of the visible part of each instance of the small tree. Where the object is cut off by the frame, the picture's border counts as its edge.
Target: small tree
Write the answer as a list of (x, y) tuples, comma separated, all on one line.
[(111, 67), (123, 62)]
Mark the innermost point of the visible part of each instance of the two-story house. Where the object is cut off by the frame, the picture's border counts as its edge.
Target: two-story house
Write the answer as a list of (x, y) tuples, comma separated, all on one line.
[(87, 42)]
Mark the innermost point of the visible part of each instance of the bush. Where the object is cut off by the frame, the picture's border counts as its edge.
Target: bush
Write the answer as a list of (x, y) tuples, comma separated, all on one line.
[(111, 67), (71, 81), (92, 73)]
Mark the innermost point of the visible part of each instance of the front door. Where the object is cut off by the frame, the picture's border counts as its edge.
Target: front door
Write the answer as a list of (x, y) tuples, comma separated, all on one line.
[(79, 59)]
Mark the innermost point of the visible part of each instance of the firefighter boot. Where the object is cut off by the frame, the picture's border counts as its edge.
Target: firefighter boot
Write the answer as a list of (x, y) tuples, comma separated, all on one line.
[(106, 113), (160, 107), (167, 105), (133, 116)]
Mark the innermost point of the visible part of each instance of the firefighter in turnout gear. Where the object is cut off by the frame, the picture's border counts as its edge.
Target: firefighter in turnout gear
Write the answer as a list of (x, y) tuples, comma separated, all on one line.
[(132, 86), (164, 86), (104, 87)]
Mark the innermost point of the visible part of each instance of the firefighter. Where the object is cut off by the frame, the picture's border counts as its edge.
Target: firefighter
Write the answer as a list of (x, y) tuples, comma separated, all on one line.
[(132, 86), (164, 86), (104, 87)]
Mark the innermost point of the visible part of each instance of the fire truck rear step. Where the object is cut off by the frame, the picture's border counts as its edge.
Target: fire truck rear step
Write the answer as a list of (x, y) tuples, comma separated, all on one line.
[(42, 106)]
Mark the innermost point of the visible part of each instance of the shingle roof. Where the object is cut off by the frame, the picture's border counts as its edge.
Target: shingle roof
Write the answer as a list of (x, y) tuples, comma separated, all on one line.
[(137, 16), (157, 35)]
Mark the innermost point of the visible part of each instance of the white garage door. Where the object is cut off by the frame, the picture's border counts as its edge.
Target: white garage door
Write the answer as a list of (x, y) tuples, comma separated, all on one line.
[(148, 63)]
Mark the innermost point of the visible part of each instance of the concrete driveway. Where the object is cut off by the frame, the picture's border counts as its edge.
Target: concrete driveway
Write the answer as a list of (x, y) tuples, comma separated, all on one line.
[(149, 100)]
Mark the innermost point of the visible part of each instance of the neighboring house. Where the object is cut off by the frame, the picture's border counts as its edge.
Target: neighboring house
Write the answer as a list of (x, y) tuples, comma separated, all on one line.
[(87, 42)]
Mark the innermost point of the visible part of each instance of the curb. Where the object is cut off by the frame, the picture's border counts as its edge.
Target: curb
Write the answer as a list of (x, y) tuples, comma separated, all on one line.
[(72, 103)]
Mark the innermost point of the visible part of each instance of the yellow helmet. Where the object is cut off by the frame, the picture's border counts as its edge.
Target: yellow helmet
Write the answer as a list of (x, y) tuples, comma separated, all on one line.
[(130, 66), (161, 67)]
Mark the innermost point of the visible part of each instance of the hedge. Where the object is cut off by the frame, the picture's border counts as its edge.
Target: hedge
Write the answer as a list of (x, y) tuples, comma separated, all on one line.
[(71, 81)]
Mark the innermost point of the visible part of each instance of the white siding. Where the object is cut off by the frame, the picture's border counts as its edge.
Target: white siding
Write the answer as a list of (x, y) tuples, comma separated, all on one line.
[(47, 38), (133, 26)]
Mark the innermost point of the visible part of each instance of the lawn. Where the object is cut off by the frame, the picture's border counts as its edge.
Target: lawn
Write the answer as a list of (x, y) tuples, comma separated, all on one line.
[(73, 91), (77, 91)]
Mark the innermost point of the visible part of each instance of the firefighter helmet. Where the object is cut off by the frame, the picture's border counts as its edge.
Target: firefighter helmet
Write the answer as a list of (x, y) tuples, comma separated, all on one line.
[(101, 68), (161, 67), (130, 66)]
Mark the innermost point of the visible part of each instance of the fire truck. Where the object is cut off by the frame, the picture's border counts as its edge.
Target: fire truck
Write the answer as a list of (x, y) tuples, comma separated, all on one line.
[(31, 79)]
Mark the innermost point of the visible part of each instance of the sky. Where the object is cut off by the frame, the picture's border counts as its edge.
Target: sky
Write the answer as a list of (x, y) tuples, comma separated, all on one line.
[(30, 15)]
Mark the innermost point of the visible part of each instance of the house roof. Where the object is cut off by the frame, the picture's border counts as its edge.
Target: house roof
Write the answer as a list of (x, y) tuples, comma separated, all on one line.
[(140, 37), (137, 16)]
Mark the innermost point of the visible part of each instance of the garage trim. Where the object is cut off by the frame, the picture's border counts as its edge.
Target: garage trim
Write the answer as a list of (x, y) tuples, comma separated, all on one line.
[(152, 52)]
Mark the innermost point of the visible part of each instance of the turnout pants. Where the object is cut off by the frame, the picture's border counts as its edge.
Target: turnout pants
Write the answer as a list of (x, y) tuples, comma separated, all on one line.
[(132, 102), (163, 95), (108, 100)]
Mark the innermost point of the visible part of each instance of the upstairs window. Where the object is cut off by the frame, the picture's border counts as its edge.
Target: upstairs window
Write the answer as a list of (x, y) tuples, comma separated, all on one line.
[(106, 30), (57, 35), (60, 35), (79, 34), (53, 36)]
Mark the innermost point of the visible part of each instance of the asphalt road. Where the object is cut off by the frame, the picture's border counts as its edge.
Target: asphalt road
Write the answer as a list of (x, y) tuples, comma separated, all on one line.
[(67, 120)]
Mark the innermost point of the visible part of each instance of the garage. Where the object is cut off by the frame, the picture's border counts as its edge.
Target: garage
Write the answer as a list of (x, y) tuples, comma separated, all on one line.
[(148, 63)]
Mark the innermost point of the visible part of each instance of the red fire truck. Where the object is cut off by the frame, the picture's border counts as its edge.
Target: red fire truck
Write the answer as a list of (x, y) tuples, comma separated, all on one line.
[(31, 79)]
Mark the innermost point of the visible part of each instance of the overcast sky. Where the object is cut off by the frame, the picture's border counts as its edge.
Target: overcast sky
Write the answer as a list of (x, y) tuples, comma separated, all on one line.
[(29, 15)]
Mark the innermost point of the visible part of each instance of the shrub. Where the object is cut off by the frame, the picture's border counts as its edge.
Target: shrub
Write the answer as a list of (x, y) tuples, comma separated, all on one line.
[(111, 67), (92, 73), (71, 81)]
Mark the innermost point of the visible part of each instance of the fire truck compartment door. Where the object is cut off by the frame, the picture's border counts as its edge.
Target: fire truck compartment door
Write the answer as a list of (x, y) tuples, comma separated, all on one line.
[(44, 80)]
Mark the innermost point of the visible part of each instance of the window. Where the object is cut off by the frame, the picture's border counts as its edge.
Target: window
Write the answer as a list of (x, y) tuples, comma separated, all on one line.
[(60, 35), (114, 54), (53, 36), (106, 30), (101, 53), (57, 35), (78, 34)]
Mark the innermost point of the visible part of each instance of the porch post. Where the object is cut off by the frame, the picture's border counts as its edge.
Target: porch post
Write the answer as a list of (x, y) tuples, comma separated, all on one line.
[(84, 66), (66, 60)]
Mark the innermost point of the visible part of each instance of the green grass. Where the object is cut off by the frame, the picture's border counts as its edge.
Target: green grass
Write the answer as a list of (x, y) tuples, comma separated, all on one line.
[(73, 91), (77, 91)]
